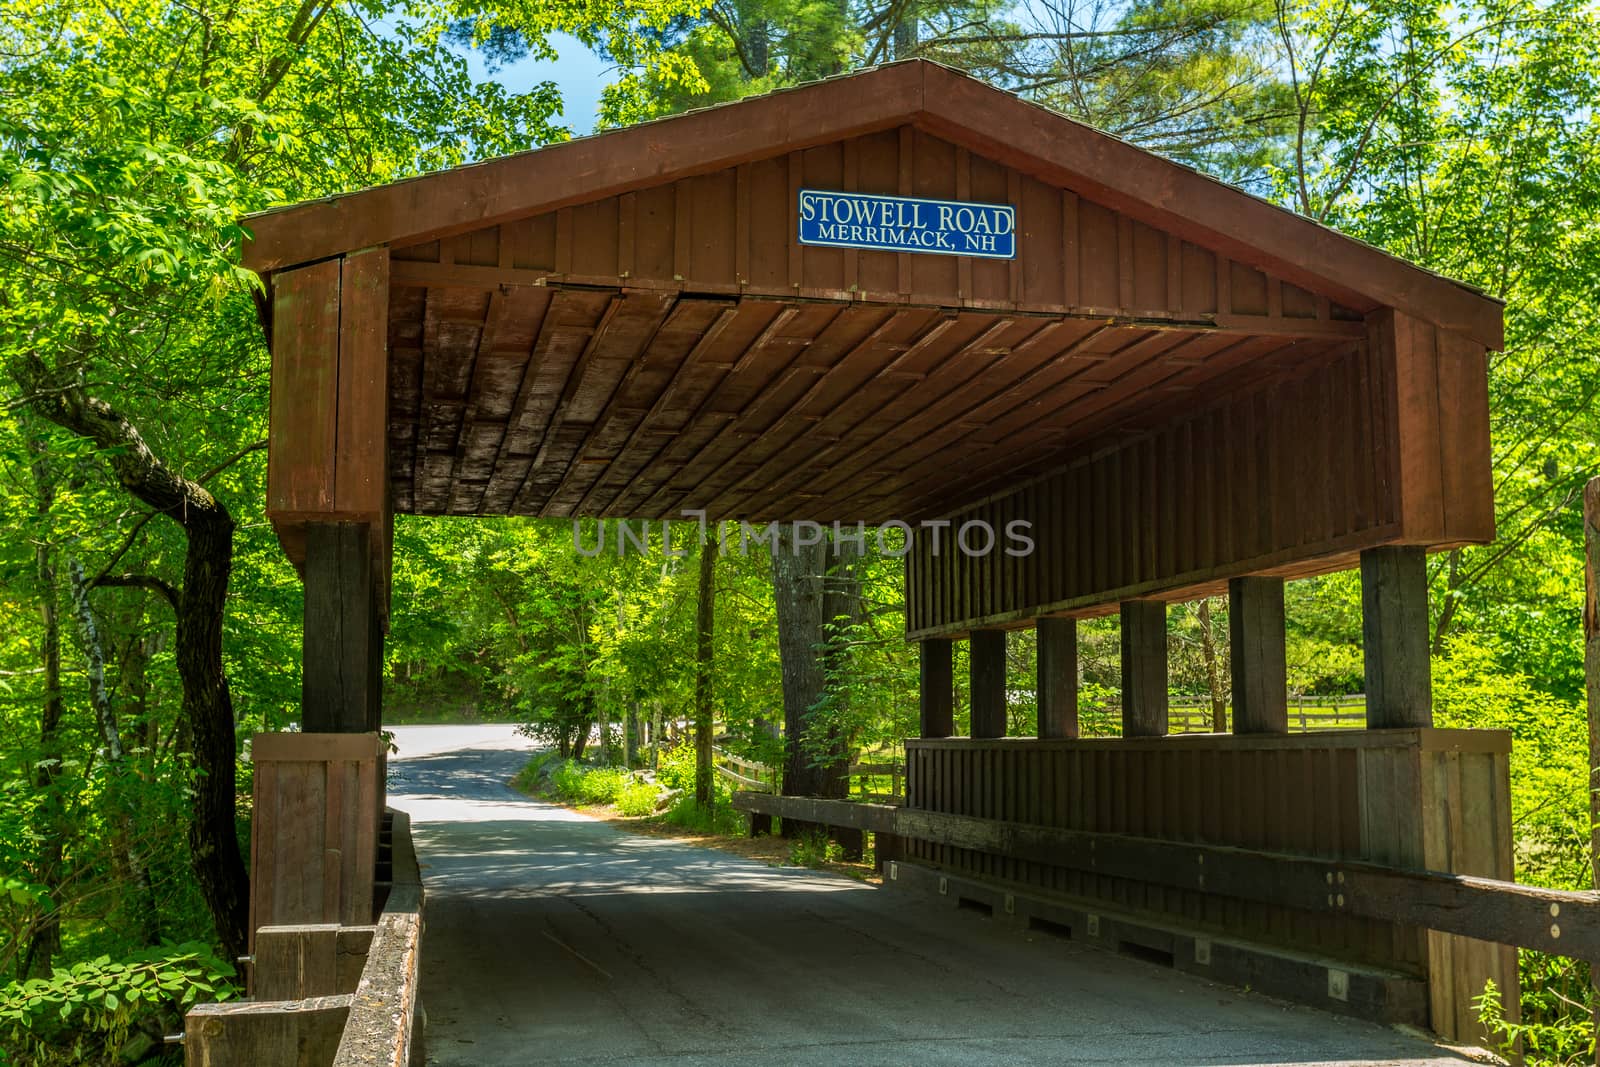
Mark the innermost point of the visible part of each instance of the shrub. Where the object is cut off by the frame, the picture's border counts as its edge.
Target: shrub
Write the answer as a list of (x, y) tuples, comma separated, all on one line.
[(721, 819), (637, 798), (675, 767), (602, 785), (530, 778), (79, 1011), (808, 850), (566, 781)]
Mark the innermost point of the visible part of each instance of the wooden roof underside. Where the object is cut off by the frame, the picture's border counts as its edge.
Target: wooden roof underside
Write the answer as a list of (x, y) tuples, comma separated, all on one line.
[(577, 401)]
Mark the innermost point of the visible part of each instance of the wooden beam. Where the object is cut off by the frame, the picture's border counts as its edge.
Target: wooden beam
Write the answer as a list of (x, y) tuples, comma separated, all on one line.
[(986, 660), (341, 682), (270, 1033), (1394, 631), (1256, 652), (1556, 921), (937, 687), (1058, 677), (1144, 668)]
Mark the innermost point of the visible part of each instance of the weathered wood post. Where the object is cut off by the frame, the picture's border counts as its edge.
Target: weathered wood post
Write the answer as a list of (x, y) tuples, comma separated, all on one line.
[(1144, 668), (1591, 676), (1394, 636), (937, 693), (987, 662), (1257, 655), (1057, 684), (341, 685)]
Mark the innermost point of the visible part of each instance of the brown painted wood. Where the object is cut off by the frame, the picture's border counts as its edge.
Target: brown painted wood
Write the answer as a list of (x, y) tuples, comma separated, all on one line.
[(937, 699), (1394, 610), (304, 406), (986, 657), (1034, 141), (1257, 655), (1057, 684), (1144, 668), (361, 477)]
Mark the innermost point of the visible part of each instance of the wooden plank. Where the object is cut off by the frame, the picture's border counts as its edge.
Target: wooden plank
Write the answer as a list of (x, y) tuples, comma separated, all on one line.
[(382, 1026), (1394, 628), (1057, 682), (278, 1033), (1557, 921), (295, 962), (1257, 655)]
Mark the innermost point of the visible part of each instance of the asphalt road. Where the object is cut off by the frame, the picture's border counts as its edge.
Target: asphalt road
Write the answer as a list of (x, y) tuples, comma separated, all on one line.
[(553, 938)]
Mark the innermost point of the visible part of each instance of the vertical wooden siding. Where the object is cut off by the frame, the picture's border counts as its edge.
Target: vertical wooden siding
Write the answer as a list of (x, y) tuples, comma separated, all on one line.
[(733, 230), (1386, 442), (314, 832), (1339, 796), (1293, 471)]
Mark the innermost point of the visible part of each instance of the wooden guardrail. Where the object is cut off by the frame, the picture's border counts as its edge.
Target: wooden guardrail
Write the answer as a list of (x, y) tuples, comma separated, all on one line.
[(383, 1027), (1193, 716), (762, 778), (1558, 922), (326, 993)]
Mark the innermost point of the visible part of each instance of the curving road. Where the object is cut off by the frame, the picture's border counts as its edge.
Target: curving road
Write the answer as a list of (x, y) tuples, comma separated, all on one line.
[(553, 938)]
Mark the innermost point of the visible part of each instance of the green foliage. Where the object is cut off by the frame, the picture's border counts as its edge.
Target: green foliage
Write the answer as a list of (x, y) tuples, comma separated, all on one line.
[(675, 767), (637, 798), (1557, 1028), (808, 850), (721, 819), (602, 785), (93, 1005)]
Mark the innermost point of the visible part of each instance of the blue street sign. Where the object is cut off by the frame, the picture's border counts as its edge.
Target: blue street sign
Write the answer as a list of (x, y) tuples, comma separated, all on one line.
[(905, 224)]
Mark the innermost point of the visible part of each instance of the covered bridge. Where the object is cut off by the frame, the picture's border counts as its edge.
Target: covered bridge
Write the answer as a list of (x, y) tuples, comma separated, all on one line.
[(1183, 388)]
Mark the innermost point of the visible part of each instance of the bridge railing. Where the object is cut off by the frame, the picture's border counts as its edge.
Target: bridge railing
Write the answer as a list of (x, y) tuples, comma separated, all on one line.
[(326, 994), (383, 1027)]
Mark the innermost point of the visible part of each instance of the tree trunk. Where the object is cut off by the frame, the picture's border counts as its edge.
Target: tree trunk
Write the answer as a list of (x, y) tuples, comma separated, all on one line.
[(705, 625), (207, 702), (126, 861), (630, 737), (45, 940), (808, 599), (1213, 661)]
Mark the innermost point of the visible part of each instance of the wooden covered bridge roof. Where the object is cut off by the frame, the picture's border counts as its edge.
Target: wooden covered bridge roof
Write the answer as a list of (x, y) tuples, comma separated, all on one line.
[(625, 324)]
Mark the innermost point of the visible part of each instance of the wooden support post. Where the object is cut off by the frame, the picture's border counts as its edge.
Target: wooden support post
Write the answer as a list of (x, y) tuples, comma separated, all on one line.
[(1144, 668), (938, 687), (986, 654), (1058, 677), (1394, 630), (341, 687), (1591, 673), (1257, 656)]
